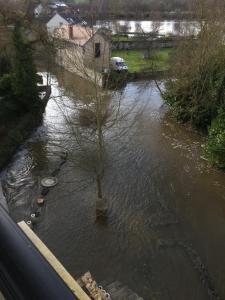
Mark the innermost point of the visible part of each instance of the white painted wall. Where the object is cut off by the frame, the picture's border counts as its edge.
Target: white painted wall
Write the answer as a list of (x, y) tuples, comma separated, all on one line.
[(56, 22), (38, 10)]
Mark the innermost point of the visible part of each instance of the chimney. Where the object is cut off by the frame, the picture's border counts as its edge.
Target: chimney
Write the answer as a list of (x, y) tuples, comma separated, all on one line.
[(71, 32)]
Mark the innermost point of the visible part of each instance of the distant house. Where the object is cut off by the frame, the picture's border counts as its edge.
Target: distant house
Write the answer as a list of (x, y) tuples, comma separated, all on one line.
[(58, 20), (58, 4), (49, 8), (85, 46), (38, 10), (97, 50)]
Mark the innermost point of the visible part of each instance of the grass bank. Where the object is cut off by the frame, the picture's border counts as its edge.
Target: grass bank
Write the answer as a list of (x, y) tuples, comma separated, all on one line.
[(159, 59)]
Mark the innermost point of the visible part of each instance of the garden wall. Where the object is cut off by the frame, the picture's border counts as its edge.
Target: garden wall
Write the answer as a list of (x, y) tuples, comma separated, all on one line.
[(143, 44)]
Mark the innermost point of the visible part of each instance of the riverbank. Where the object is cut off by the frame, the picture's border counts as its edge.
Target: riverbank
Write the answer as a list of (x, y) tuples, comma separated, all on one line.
[(20, 130)]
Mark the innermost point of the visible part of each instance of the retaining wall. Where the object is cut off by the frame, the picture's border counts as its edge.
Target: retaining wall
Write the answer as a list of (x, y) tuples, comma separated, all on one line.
[(3, 200), (143, 44)]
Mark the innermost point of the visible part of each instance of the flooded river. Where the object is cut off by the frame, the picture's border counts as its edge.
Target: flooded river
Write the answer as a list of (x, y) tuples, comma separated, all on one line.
[(165, 235)]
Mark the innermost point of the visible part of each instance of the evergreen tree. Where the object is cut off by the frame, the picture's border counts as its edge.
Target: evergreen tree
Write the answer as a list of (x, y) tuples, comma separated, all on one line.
[(24, 77)]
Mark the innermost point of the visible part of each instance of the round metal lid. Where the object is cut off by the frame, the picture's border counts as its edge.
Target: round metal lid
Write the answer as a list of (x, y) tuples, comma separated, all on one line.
[(49, 181)]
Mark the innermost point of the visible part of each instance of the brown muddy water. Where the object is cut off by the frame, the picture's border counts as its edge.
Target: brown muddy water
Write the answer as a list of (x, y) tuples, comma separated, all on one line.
[(165, 235)]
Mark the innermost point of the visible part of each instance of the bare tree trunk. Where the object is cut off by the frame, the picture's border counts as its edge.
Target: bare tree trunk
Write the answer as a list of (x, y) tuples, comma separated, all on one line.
[(158, 87), (99, 186), (101, 207)]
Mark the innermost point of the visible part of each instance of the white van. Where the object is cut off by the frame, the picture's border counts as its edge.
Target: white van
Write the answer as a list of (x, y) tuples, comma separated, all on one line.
[(118, 64)]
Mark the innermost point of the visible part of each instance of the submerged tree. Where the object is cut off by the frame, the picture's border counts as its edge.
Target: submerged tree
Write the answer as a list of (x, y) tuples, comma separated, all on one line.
[(93, 125), (97, 121)]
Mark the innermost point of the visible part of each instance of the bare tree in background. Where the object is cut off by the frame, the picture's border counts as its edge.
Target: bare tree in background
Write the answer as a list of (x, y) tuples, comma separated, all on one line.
[(196, 86), (193, 53), (22, 11)]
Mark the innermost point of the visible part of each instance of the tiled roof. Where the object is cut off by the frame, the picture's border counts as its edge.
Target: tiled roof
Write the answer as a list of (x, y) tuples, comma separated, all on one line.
[(71, 19)]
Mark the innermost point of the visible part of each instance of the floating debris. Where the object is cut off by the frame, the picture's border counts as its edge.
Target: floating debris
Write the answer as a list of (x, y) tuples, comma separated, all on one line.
[(37, 212), (40, 200), (44, 191), (49, 181), (33, 218), (29, 223), (96, 292)]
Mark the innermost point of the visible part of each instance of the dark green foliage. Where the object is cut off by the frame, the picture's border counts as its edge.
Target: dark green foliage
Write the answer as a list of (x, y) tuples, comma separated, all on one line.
[(5, 85), (115, 80), (197, 98), (9, 105), (24, 78), (5, 65), (215, 146), (197, 95), (18, 81)]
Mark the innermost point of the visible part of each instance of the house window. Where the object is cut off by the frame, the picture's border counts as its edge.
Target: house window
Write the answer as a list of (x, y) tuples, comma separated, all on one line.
[(97, 49)]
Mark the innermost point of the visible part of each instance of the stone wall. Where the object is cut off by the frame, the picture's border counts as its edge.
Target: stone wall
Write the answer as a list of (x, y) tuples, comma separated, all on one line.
[(98, 63), (71, 57), (143, 44)]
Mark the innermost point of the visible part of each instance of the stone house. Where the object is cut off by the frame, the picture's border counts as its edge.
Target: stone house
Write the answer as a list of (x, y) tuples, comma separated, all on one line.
[(58, 20), (85, 47)]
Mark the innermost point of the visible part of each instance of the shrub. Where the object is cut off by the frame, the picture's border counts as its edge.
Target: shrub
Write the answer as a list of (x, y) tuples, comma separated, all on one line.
[(215, 146), (5, 85), (4, 65), (24, 78), (197, 98)]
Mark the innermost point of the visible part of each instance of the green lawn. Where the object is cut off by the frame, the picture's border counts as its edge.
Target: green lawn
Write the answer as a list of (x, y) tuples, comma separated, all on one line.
[(122, 38), (159, 61)]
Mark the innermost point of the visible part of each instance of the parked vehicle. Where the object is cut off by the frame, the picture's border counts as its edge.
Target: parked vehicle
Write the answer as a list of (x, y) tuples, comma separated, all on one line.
[(118, 64)]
